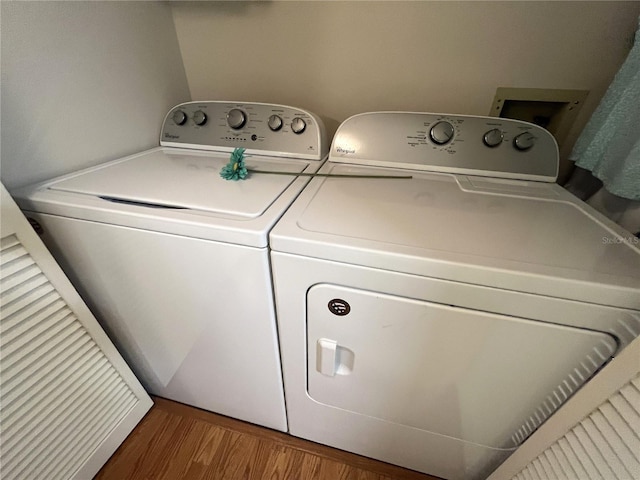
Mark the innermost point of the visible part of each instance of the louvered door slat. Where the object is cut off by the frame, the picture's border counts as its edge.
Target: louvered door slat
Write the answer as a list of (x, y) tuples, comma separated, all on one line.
[(13, 306), (554, 466), (47, 323), (622, 428), (34, 298), (39, 396), (604, 445), (616, 468), (565, 470), (20, 279), (57, 416), (590, 438), (631, 408), (104, 400), (94, 435), (538, 467), (14, 265), (23, 286), (62, 432), (530, 472), (27, 371), (576, 464), (546, 468), (41, 400), (94, 431), (34, 312)]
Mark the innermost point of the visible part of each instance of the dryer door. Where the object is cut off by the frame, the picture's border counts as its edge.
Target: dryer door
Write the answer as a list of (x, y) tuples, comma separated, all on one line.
[(476, 376)]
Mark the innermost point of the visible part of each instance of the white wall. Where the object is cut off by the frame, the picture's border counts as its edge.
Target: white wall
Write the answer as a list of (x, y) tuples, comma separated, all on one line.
[(342, 58), (83, 82)]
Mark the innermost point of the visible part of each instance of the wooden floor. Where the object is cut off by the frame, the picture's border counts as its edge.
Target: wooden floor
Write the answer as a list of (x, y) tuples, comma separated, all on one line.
[(175, 441)]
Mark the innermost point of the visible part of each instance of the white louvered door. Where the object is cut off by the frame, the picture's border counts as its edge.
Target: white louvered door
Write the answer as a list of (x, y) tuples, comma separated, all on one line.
[(67, 397), (604, 445), (594, 436)]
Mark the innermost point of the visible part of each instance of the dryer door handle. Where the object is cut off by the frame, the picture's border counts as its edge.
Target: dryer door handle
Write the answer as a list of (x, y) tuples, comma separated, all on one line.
[(332, 359)]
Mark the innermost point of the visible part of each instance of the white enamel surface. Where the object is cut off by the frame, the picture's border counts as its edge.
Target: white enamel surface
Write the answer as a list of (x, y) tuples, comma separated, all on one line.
[(491, 221), (398, 443), (518, 235), (177, 309), (438, 368), (187, 179), (240, 212)]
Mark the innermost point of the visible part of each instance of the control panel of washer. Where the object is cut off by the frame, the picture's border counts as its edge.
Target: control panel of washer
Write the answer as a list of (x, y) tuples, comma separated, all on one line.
[(486, 146), (260, 128)]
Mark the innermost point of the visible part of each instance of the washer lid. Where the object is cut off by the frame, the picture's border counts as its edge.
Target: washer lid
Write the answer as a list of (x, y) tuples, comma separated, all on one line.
[(510, 234), (173, 179)]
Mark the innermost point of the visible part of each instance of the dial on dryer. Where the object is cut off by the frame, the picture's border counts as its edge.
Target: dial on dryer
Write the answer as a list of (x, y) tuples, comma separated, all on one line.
[(493, 138), (441, 133), (524, 141)]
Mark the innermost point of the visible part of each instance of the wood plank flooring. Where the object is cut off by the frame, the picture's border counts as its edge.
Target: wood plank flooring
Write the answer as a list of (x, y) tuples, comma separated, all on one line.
[(175, 441)]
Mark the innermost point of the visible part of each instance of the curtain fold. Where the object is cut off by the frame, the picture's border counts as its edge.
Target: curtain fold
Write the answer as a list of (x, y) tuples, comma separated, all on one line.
[(607, 153)]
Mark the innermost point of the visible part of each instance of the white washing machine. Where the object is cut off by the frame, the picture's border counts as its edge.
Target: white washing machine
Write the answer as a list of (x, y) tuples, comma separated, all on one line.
[(174, 260), (435, 322)]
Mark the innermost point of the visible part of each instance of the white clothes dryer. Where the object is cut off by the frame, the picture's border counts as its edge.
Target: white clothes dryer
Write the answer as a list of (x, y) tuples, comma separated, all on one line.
[(436, 322), (173, 259)]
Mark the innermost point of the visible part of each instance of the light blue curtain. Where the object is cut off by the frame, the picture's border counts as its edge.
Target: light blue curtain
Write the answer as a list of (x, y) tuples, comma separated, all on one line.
[(609, 145)]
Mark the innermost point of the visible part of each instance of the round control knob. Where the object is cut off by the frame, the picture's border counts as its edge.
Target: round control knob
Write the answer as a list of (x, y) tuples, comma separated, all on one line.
[(275, 123), (524, 141), (236, 118), (179, 117), (298, 125), (441, 133), (493, 138), (199, 117)]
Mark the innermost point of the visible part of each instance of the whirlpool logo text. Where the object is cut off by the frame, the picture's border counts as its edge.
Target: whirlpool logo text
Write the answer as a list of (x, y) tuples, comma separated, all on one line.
[(345, 150)]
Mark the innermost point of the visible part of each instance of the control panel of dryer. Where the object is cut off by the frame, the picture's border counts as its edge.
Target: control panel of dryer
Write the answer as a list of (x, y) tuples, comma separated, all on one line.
[(260, 128), (486, 146)]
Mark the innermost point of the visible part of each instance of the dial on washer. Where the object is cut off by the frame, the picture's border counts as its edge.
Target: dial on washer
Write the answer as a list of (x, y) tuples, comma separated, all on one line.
[(275, 123), (199, 117), (179, 117), (236, 118), (298, 125)]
